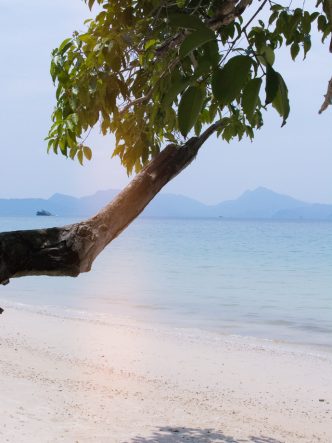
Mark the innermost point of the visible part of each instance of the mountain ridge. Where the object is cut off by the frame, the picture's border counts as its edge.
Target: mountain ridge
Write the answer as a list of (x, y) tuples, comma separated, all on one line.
[(260, 203)]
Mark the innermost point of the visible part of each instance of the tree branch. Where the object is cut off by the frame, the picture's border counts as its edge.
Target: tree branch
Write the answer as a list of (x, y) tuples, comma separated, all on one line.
[(71, 250)]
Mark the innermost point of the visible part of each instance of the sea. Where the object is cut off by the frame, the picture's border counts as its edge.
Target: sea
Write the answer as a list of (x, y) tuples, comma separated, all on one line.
[(270, 280)]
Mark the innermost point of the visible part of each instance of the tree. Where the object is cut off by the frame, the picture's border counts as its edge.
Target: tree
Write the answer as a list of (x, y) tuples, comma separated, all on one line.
[(152, 72)]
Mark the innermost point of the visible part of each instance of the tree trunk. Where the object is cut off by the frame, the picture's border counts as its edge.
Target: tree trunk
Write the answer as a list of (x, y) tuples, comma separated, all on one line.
[(70, 250)]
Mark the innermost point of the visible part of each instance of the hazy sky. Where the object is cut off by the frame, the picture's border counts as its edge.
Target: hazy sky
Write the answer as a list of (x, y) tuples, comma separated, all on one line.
[(296, 160)]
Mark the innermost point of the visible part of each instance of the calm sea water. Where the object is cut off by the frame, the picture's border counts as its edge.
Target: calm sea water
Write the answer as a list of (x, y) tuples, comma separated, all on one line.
[(255, 278)]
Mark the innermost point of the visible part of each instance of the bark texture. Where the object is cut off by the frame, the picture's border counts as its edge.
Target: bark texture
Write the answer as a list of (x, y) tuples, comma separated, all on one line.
[(70, 250)]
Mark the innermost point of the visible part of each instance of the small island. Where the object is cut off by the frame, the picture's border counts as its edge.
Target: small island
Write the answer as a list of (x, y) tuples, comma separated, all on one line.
[(44, 213)]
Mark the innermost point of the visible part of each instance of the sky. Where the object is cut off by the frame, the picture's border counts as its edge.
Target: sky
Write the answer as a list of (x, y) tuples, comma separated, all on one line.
[(295, 160)]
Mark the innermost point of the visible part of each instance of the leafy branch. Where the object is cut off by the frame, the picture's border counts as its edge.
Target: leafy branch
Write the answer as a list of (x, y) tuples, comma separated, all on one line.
[(150, 72)]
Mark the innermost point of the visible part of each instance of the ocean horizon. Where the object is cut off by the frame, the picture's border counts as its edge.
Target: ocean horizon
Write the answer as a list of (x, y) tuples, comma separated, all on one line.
[(254, 278)]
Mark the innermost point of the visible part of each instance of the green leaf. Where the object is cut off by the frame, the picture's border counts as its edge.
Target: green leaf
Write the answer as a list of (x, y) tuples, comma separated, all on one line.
[(295, 49), (64, 46), (251, 96), (273, 17), (53, 70), (198, 128), (211, 53), (272, 84), (150, 43), (49, 145), (203, 67), (321, 23), (228, 81), (87, 38), (277, 7), (306, 45), (87, 152), (73, 152), (80, 156), (195, 40), (189, 108), (74, 118), (267, 55), (70, 124), (306, 22), (313, 16), (63, 146), (175, 88), (186, 21), (281, 102)]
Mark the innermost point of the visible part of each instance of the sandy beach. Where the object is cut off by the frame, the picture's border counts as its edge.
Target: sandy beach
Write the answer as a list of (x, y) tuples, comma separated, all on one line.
[(65, 379)]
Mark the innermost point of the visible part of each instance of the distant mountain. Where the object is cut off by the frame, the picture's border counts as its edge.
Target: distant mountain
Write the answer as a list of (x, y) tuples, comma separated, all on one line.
[(260, 203), (170, 205), (263, 203)]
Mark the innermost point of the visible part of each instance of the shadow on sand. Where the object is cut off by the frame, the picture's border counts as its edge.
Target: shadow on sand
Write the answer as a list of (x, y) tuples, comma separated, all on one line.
[(192, 435)]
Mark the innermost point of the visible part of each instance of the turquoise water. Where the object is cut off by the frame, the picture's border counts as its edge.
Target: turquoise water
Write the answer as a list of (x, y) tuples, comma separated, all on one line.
[(265, 279)]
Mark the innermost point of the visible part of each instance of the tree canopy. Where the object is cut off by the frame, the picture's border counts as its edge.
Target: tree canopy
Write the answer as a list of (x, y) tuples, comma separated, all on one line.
[(153, 71)]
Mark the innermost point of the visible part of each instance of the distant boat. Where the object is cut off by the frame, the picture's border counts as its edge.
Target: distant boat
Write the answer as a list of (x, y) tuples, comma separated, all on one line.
[(44, 213)]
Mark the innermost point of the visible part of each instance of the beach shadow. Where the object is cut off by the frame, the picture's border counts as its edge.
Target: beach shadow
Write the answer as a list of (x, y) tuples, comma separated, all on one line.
[(193, 435)]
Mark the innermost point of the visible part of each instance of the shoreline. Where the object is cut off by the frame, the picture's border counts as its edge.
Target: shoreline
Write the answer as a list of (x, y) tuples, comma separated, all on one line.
[(111, 319), (71, 380)]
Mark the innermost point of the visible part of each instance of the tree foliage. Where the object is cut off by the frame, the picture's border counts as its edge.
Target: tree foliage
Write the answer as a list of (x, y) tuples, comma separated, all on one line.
[(152, 71)]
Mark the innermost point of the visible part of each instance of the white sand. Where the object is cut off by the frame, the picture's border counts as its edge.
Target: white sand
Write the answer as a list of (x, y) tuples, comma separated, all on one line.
[(71, 380)]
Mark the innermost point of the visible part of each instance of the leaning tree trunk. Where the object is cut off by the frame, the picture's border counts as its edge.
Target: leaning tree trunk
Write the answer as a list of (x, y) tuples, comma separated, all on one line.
[(70, 250)]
